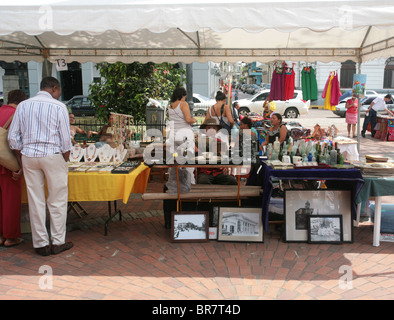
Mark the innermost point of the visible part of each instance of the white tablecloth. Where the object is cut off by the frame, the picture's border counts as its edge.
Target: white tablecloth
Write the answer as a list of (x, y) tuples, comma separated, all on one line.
[(348, 148)]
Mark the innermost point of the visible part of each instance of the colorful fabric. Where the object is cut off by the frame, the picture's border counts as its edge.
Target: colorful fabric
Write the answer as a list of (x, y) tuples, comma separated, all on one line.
[(289, 83), (10, 206), (282, 84), (331, 92), (335, 92), (391, 134), (309, 83), (327, 93), (276, 84)]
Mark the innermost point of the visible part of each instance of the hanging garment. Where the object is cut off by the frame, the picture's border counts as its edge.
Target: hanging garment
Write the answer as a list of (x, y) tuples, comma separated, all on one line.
[(335, 92), (282, 83), (306, 83), (289, 83), (309, 83), (277, 83), (327, 92), (313, 92)]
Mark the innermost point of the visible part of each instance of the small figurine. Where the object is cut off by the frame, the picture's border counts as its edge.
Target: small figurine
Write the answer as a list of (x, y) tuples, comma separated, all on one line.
[(332, 131), (318, 132)]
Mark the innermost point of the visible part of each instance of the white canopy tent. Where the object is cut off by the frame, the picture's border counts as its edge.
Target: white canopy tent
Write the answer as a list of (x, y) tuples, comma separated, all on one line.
[(196, 31)]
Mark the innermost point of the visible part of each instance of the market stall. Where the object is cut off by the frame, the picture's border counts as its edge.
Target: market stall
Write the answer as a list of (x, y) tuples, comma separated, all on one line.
[(104, 186), (104, 170), (262, 31), (352, 177), (384, 128)]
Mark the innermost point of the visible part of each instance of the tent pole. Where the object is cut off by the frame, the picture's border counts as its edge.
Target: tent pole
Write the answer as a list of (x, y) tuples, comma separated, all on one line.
[(189, 87), (359, 106)]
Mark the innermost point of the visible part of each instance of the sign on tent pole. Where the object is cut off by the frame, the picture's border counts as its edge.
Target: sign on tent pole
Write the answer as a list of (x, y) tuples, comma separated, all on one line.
[(359, 81)]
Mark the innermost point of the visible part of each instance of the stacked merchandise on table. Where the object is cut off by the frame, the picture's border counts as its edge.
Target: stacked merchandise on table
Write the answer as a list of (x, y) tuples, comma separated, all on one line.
[(126, 167), (99, 167), (381, 169), (102, 167)]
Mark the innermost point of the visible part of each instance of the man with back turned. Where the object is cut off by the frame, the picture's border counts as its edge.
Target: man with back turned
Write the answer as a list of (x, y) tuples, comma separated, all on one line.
[(40, 135)]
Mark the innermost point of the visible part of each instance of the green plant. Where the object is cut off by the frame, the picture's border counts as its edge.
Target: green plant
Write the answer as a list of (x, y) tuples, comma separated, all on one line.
[(125, 88)]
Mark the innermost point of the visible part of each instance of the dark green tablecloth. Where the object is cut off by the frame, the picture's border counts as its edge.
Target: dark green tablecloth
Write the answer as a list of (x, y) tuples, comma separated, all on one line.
[(374, 187)]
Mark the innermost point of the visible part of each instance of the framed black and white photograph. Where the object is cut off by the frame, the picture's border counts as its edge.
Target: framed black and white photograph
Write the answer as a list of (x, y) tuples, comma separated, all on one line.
[(325, 229), (190, 226), (300, 204), (240, 224)]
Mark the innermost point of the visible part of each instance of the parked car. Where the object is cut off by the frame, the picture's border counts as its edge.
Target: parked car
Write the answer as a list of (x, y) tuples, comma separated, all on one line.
[(245, 87), (348, 94), (340, 109), (291, 108), (253, 89), (81, 106), (201, 104), (264, 86)]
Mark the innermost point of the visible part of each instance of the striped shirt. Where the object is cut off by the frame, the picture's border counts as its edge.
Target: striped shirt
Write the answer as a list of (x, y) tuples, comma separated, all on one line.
[(40, 127)]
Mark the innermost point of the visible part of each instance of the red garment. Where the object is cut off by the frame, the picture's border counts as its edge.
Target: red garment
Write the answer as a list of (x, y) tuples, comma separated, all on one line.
[(335, 91), (10, 192), (289, 84), (10, 206), (277, 84)]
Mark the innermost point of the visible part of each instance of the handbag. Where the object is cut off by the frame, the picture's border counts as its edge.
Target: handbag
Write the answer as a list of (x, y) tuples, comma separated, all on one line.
[(7, 156), (221, 122)]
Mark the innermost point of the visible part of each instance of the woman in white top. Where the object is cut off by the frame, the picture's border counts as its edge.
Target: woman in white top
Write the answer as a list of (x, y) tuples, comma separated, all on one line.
[(179, 113), (181, 122), (216, 110)]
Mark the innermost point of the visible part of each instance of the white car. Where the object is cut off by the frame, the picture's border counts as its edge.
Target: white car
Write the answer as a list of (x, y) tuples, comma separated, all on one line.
[(201, 104), (291, 108)]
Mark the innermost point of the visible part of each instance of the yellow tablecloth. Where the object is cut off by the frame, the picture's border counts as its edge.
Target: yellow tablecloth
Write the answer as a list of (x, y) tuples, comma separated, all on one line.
[(104, 186)]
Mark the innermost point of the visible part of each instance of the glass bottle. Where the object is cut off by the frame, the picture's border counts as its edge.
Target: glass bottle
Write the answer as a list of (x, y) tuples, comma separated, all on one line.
[(333, 157)]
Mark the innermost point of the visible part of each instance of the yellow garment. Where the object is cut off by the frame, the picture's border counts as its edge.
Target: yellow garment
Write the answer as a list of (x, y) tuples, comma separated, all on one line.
[(327, 101), (104, 186), (268, 109)]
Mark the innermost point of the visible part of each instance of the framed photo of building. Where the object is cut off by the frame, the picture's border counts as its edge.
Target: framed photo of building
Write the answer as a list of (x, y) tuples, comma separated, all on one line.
[(325, 229), (300, 204), (190, 226), (240, 224)]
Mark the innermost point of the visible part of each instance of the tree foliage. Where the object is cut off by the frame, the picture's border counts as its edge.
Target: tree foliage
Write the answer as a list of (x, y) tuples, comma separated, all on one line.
[(125, 88)]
